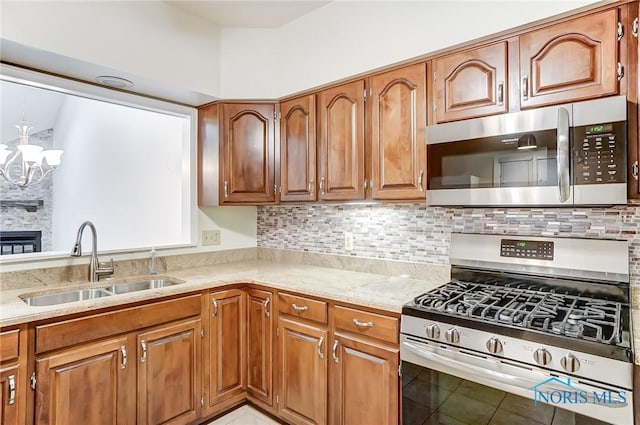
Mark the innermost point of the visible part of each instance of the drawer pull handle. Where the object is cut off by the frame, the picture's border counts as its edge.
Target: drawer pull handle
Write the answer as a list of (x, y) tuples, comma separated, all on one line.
[(299, 307), (123, 350), (265, 306), (362, 324), (320, 353), (12, 389), (143, 344), (334, 354)]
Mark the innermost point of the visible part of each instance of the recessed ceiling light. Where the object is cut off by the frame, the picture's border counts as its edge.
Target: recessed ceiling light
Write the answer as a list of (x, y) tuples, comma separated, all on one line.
[(116, 82)]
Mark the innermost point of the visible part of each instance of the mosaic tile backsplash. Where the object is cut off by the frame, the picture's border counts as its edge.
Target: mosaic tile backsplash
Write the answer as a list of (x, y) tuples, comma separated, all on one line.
[(417, 233)]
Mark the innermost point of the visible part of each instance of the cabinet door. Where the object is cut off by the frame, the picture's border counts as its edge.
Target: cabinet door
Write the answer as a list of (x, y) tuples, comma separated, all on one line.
[(208, 155), (573, 60), (341, 139), (90, 384), (303, 373), (259, 345), (298, 149), (248, 153), (365, 382), (471, 84), (398, 119), (9, 379), (168, 374), (226, 351)]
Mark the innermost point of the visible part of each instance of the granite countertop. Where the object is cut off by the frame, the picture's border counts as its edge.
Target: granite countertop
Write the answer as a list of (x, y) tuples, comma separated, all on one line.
[(365, 289)]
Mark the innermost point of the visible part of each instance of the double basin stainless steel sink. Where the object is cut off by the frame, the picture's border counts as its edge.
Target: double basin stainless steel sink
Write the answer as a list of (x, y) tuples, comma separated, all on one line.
[(93, 293)]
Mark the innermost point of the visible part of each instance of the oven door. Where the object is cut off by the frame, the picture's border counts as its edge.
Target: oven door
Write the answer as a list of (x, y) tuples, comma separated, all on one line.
[(443, 384), (512, 159)]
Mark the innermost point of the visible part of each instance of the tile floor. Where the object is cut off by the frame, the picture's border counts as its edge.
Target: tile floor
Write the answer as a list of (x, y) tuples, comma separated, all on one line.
[(244, 415)]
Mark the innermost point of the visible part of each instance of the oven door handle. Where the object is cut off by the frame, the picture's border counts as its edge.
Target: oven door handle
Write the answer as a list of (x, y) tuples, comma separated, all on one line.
[(507, 379)]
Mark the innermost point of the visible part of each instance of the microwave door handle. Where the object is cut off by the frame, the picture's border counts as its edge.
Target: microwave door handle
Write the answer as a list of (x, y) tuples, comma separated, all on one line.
[(562, 157)]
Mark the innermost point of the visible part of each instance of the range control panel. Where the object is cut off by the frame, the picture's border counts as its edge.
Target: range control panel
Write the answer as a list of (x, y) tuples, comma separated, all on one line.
[(600, 153), (535, 250)]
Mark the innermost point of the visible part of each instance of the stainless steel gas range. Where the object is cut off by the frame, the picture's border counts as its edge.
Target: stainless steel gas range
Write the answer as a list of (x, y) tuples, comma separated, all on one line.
[(542, 318)]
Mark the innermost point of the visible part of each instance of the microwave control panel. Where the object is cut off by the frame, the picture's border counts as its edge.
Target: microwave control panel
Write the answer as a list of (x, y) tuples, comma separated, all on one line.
[(600, 153)]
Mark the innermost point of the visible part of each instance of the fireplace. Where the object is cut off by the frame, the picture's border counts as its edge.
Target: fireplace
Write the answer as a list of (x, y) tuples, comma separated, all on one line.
[(20, 242)]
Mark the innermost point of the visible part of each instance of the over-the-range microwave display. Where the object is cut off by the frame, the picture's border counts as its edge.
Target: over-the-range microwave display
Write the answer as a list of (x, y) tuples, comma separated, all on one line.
[(561, 155)]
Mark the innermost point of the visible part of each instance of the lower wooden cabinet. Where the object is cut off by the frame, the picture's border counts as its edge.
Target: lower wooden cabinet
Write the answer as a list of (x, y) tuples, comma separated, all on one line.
[(9, 412), (13, 376), (259, 345), (302, 369), (365, 382), (169, 360)]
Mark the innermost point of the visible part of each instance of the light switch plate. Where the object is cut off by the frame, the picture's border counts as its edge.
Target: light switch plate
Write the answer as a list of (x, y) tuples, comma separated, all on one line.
[(210, 237)]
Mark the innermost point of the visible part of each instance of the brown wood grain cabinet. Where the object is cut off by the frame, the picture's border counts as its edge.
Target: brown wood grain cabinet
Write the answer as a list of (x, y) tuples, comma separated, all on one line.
[(225, 353), (572, 60), (302, 393), (260, 345), (13, 376), (209, 155), (169, 363), (341, 152), (365, 382), (298, 149), (248, 153), (397, 118), (471, 83)]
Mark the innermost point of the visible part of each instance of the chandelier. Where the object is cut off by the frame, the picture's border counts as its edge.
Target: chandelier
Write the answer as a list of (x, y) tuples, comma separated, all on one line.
[(34, 163)]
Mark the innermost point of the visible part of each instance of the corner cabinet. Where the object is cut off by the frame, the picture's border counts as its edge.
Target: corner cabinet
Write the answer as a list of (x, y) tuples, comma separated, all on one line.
[(471, 84), (248, 154), (396, 127), (572, 60), (341, 142), (298, 149), (259, 346)]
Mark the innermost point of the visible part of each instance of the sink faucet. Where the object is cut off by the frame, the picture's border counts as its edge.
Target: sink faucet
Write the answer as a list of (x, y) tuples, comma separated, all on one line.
[(95, 271)]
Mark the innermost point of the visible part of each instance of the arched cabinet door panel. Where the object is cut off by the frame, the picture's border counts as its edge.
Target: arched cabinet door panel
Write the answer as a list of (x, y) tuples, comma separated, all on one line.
[(471, 84), (571, 61)]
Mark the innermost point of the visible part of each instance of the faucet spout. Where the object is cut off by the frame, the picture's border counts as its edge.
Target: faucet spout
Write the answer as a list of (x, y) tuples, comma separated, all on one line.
[(95, 270)]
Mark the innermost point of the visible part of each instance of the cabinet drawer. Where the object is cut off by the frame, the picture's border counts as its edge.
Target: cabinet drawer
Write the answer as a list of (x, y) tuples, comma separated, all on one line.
[(9, 345), (306, 308), (369, 324)]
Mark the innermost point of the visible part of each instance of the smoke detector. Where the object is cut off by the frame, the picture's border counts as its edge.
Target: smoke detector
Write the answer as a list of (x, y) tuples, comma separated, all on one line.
[(115, 82)]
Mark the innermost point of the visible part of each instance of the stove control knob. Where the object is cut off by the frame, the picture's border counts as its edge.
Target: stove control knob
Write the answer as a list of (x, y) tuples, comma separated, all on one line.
[(433, 331), (452, 336), (542, 356), (570, 363), (494, 346)]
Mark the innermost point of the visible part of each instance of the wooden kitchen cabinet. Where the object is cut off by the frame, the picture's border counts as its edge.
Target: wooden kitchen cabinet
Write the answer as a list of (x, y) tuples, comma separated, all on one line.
[(302, 393), (9, 380), (396, 127), (259, 345), (88, 384), (13, 376), (471, 84), (248, 153), (169, 361), (365, 382), (226, 350), (570, 61), (298, 149), (341, 152)]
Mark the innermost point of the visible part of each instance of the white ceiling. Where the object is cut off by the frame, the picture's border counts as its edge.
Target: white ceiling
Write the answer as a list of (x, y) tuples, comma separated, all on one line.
[(248, 14)]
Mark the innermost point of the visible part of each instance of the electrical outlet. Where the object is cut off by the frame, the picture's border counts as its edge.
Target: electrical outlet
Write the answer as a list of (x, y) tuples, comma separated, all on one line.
[(348, 241), (210, 237)]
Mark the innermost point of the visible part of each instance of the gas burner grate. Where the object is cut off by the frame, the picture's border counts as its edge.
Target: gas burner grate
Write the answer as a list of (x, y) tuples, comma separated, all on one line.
[(528, 306)]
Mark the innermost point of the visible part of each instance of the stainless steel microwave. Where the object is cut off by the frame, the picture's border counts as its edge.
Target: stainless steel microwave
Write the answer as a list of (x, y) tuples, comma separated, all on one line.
[(572, 154)]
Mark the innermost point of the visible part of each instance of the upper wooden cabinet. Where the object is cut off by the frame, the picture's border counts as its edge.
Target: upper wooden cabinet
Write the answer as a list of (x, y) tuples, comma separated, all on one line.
[(248, 153), (471, 84), (298, 149), (341, 142), (569, 61), (396, 127)]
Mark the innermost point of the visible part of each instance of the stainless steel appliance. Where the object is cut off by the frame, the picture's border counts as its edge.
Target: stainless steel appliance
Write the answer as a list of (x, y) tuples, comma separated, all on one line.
[(573, 154), (531, 316)]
